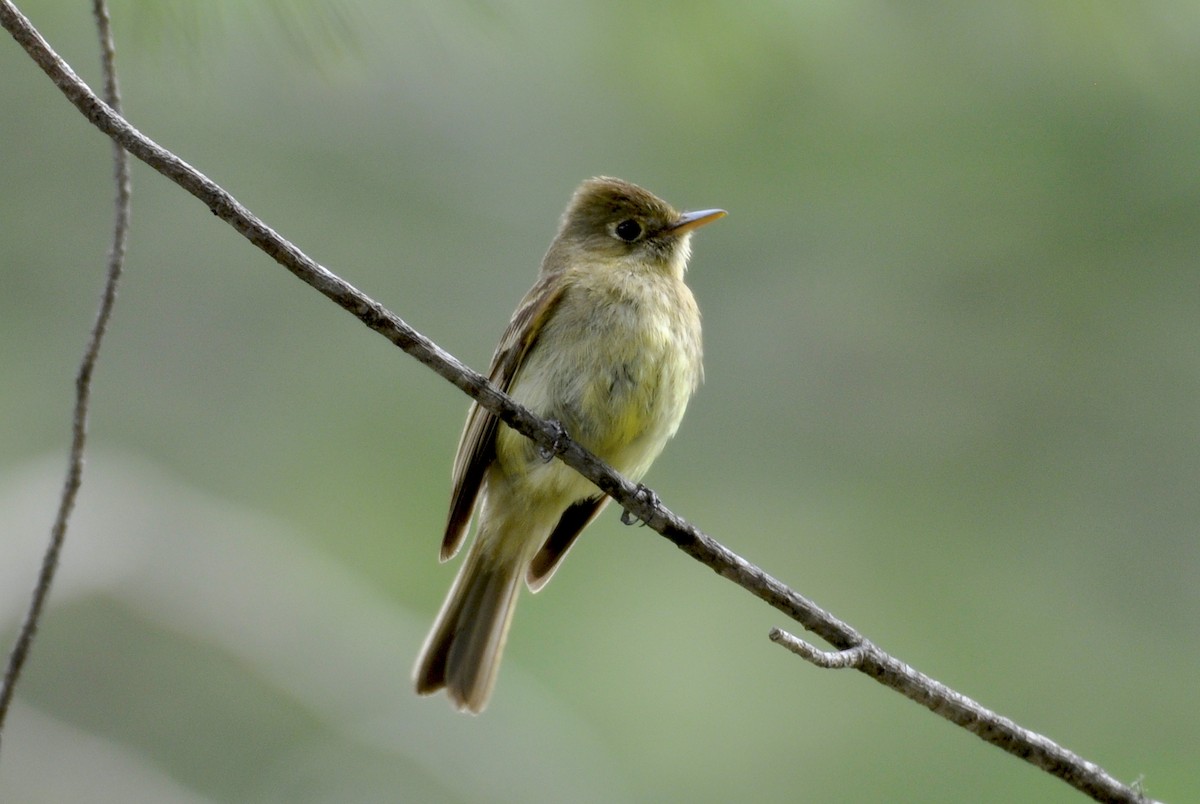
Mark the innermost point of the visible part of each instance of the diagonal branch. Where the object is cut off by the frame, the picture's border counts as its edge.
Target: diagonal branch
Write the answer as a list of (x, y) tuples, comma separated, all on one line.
[(83, 379), (637, 501)]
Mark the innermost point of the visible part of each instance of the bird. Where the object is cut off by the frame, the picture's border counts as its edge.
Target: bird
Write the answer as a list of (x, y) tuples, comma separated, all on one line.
[(607, 346)]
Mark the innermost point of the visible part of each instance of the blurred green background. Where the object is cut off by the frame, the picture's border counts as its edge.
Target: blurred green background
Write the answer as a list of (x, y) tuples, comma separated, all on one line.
[(953, 372)]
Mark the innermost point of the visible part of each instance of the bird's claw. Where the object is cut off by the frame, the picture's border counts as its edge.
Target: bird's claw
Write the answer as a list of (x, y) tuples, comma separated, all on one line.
[(558, 445), (645, 495)]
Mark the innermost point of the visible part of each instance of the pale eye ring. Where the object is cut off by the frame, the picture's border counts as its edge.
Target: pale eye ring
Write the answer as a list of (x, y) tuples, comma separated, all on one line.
[(628, 230)]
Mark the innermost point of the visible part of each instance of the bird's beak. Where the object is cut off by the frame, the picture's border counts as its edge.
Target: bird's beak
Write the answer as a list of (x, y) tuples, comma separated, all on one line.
[(694, 220)]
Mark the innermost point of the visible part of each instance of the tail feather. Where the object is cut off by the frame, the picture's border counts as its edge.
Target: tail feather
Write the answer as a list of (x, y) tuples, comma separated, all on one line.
[(462, 652)]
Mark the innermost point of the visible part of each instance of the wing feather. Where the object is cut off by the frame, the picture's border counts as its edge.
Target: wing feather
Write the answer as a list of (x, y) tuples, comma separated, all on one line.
[(570, 525), (477, 445)]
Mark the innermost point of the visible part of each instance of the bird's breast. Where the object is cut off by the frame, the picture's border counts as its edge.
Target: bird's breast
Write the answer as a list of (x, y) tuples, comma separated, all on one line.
[(616, 365)]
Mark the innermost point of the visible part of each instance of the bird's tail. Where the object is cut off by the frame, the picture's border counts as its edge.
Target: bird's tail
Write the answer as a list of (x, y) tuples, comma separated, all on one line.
[(462, 652)]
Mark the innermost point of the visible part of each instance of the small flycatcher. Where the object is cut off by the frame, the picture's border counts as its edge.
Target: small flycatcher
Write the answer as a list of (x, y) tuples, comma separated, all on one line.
[(607, 344)]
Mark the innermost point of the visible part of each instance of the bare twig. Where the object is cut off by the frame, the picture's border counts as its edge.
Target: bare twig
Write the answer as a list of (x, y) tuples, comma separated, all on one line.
[(828, 659), (972, 716), (1051, 757), (83, 379)]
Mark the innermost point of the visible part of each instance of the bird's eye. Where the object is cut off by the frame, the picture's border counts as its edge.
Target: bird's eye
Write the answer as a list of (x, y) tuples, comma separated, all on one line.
[(628, 230)]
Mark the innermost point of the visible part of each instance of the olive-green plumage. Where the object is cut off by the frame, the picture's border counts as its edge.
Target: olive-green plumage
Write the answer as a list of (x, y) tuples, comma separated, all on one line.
[(606, 343)]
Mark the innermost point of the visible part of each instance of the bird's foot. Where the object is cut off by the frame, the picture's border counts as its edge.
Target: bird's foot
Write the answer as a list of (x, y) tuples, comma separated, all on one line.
[(557, 445), (647, 496)]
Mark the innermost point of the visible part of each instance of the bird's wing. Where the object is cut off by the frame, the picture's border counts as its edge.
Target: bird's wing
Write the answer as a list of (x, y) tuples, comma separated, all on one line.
[(577, 517), (477, 446)]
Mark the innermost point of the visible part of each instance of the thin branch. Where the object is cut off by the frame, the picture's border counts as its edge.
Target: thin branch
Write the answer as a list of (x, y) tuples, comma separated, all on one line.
[(827, 659), (83, 379), (636, 500), (963, 711)]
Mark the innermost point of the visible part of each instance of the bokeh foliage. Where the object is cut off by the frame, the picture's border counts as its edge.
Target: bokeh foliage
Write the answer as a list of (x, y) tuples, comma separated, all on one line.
[(953, 385)]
